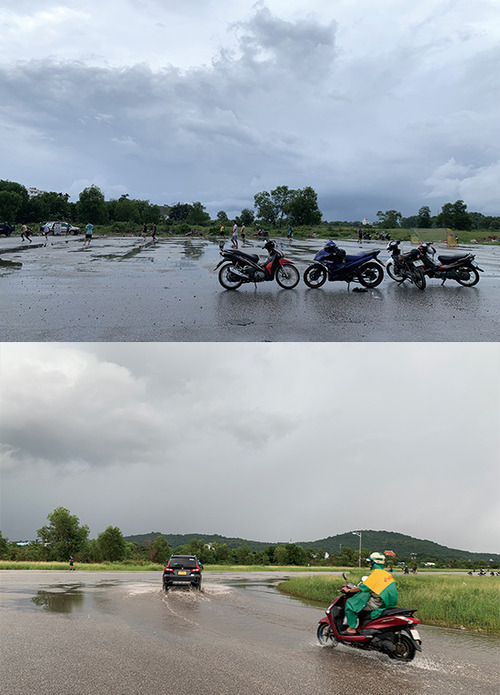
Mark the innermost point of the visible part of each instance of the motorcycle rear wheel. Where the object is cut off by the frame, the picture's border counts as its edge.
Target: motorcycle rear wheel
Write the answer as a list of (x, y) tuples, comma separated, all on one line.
[(315, 276), (473, 276), (287, 276), (370, 275), (325, 635), (228, 279), (418, 278), (392, 272), (405, 649)]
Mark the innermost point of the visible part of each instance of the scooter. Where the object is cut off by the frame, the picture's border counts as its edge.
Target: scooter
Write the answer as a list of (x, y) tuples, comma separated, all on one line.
[(333, 263), (393, 633), (405, 266), (458, 266), (239, 267)]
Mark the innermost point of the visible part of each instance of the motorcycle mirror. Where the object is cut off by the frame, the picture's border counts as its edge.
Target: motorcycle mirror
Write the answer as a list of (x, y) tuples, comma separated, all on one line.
[(344, 575)]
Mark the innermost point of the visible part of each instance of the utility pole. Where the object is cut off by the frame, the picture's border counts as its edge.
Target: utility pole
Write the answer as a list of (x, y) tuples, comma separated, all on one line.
[(360, 534)]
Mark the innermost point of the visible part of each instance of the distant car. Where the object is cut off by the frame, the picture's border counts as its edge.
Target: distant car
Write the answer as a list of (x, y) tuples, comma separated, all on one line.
[(60, 228), (6, 228), (182, 569)]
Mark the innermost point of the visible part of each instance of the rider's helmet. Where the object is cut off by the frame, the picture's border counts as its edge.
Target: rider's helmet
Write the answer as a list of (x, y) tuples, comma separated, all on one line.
[(331, 247), (377, 559), (269, 245)]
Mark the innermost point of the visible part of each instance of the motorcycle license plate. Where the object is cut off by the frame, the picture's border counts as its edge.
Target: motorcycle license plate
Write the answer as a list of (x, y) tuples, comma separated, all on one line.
[(415, 635), (418, 264)]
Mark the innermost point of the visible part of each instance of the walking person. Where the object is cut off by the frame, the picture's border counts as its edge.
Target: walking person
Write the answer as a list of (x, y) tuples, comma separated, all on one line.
[(234, 236), (71, 564), (144, 229), (289, 232), (46, 230), (88, 233), (153, 231), (243, 233), (360, 236)]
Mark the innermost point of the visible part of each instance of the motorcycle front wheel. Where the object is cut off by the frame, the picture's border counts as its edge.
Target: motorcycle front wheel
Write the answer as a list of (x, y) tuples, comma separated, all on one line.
[(228, 279), (325, 635), (287, 276), (315, 276), (418, 278), (473, 278), (393, 273), (370, 275), (405, 649)]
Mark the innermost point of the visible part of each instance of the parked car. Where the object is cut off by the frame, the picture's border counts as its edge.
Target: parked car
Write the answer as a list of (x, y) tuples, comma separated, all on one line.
[(6, 228), (182, 569), (62, 229)]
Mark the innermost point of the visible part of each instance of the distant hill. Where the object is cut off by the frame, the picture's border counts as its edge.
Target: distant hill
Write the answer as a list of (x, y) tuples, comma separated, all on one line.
[(399, 543)]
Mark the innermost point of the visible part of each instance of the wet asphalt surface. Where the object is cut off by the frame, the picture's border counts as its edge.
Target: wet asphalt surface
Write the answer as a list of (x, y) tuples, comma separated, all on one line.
[(117, 633), (129, 289)]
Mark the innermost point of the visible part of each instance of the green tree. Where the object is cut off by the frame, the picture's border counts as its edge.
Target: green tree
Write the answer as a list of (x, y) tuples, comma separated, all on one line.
[(125, 210), (244, 555), (160, 550), (246, 217), (111, 544), (198, 215), (281, 555), (91, 206), (4, 548), (266, 209), (303, 207), (455, 216), (389, 218), (282, 196), (424, 217), (179, 212), (10, 204), (63, 536)]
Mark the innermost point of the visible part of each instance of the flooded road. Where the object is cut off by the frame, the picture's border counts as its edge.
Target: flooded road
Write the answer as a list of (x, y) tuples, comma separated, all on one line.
[(129, 289), (119, 634)]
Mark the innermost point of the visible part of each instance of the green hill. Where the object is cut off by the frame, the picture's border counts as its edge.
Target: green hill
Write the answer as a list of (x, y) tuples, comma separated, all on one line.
[(404, 546)]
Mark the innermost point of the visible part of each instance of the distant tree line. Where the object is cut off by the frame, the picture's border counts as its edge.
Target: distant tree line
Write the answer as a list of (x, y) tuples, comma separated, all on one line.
[(274, 209), (63, 536)]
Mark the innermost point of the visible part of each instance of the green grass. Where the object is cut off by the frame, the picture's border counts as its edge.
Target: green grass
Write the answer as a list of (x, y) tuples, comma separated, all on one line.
[(81, 566), (452, 601)]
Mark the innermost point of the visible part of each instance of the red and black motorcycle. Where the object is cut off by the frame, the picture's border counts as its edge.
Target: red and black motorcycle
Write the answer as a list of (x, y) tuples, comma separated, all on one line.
[(393, 633), (239, 267), (458, 266)]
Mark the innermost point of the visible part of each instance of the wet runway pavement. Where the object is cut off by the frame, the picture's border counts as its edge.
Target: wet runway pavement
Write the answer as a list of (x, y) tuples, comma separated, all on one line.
[(128, 289), (117, 633)]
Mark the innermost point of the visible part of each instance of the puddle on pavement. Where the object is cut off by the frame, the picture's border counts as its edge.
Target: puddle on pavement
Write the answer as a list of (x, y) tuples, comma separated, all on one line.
[(76, 598), (9, 265)]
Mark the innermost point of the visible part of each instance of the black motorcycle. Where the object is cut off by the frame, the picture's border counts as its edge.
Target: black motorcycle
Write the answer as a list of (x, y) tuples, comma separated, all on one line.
[(458, 266), (333, 263), (405, 266), (239, 267)]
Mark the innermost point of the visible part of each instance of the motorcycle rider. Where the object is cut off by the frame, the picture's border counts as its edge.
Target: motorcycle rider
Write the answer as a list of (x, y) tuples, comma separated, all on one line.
[(377, 592)]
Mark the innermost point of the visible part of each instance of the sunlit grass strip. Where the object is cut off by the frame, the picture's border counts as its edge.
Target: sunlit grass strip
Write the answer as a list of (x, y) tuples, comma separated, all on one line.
[(453, 601)]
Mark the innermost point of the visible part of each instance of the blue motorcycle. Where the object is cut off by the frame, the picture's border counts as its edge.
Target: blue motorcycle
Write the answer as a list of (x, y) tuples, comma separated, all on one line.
[(333, 263)]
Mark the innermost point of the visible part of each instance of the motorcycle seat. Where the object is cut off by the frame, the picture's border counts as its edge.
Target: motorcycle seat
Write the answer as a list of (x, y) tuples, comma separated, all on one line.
[(251, 256), (359, 254), (398, 611), (445, 260)]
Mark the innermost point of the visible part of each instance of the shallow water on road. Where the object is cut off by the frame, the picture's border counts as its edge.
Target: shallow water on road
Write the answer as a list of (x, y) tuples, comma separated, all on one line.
[(126, 289)]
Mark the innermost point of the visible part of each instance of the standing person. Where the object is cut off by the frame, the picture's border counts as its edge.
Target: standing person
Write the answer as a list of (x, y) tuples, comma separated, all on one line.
[(153, 231), (26, 232), (243, 229), (377, 592), (88, 233), (360, 236), (46, 230), (68, 227), (71, 564), (289, 232), (234, 236), (144, 229)]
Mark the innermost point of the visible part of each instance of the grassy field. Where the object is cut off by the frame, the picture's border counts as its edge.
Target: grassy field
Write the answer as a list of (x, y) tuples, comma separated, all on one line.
[(447, 600), (98, 567)]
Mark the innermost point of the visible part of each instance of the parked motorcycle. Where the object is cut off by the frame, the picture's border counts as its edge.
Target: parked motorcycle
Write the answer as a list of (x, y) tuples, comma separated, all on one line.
[(458, 266), (393, 633), (333, 263), (405, 266), (239, 267)]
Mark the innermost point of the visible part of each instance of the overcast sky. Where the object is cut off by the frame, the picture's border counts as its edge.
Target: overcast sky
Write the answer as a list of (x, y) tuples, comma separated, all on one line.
[(267, 442), (380, 105)]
